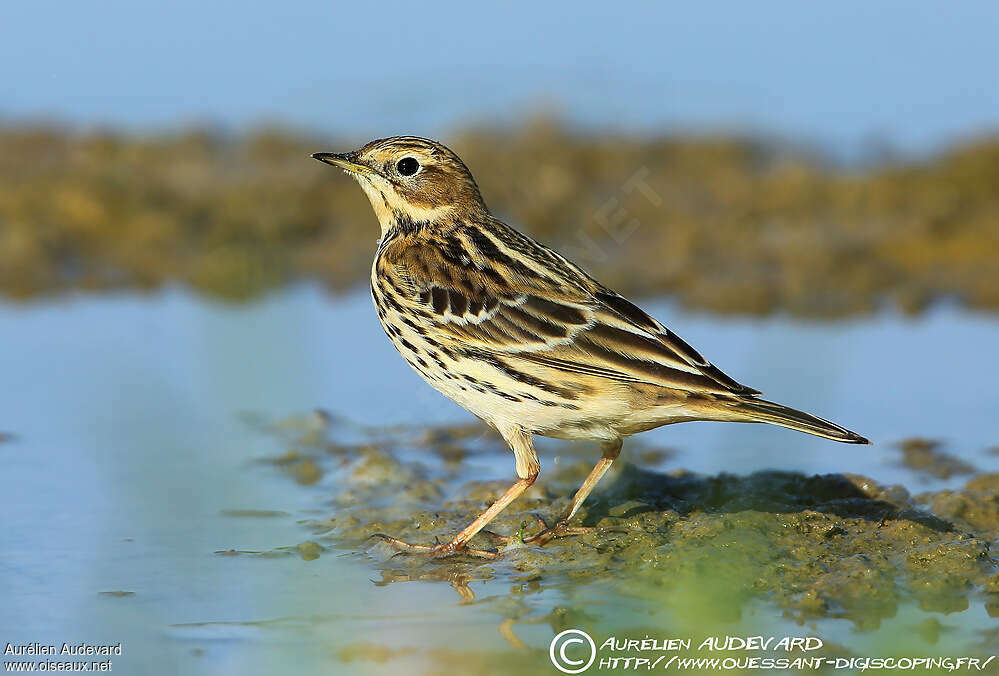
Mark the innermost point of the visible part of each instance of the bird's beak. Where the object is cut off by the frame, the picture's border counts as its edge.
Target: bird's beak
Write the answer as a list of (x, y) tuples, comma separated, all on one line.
[(346, 161)]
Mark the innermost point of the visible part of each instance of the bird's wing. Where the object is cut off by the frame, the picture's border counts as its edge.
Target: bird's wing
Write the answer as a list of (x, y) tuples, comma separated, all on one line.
[(503, 300)]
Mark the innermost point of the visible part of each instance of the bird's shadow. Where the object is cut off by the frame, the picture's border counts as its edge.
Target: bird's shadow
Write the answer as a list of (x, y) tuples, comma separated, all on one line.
[(832, 545), (640, 490)]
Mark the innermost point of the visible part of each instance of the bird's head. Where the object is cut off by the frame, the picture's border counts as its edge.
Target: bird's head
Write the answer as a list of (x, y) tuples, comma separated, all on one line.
[(411, 181)]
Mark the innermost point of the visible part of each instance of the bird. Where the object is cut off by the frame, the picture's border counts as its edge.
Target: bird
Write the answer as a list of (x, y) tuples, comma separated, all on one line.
[(522, 337)]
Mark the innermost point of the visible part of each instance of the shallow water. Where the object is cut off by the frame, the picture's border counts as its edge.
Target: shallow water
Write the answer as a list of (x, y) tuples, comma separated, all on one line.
[(130, 464)]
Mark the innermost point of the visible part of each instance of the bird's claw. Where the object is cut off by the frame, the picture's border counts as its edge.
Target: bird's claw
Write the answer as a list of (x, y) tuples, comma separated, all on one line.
[(561, 528)]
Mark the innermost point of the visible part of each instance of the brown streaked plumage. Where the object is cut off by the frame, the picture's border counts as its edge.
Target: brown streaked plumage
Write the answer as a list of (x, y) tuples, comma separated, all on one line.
[(520, 336)]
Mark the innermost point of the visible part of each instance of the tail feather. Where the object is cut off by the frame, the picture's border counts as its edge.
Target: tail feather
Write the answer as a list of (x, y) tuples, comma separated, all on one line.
[(760, 410)]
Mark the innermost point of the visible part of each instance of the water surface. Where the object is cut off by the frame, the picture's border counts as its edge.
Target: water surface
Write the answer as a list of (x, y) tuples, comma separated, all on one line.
[(130, 461)]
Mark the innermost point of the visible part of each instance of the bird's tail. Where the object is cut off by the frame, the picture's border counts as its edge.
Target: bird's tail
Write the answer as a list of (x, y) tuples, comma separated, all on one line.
[(760, 410)]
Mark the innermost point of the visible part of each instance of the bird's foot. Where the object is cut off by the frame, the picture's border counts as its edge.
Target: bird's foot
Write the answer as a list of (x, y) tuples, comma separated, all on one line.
[(438, 550), (560, 528)]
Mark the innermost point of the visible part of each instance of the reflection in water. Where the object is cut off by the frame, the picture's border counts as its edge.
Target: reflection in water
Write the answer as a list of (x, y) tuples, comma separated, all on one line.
[(130, 461), (691, 551)]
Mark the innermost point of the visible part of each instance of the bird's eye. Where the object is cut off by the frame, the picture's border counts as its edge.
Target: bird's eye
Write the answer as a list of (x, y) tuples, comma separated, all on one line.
[(408, 166)]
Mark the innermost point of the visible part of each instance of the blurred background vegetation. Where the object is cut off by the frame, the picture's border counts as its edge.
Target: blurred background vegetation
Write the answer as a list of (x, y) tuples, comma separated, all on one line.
[(726, 223), (793, 160)]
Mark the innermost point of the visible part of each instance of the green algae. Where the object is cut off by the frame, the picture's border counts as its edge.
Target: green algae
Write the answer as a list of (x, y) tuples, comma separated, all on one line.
[(307, 551), (975, 508), (927, 455), (669, 551)]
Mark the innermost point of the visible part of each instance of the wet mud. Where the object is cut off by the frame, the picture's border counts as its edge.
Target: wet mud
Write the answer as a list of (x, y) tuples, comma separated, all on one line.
[(704, 549)]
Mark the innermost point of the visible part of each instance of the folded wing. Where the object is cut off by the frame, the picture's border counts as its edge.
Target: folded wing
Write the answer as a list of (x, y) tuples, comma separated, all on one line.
[(500, 297)]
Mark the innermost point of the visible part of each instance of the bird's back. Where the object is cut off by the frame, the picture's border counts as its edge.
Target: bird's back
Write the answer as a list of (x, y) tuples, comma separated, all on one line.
[(509, 328)]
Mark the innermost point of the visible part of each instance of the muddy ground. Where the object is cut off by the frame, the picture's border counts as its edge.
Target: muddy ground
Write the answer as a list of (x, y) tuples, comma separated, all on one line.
[(704, 548)]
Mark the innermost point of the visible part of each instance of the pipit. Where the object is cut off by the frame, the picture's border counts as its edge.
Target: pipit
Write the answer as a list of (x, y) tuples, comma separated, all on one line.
[(520, 336)]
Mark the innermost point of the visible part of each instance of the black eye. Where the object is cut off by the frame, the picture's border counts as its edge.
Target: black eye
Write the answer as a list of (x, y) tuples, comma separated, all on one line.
[(408, 166)]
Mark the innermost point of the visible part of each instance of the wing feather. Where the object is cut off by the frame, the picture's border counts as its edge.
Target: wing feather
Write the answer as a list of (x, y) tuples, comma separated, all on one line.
[(536, 307)]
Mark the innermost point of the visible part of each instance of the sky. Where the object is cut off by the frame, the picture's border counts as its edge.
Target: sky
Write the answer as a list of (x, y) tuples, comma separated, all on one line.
[(911, 75)]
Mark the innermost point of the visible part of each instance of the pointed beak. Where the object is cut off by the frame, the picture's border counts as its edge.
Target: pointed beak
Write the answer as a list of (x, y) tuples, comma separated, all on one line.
[(346, 161)]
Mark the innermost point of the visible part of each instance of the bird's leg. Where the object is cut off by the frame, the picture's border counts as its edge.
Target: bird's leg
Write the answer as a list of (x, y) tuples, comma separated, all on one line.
[(460, 541), (527, 469), (611, 450)]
